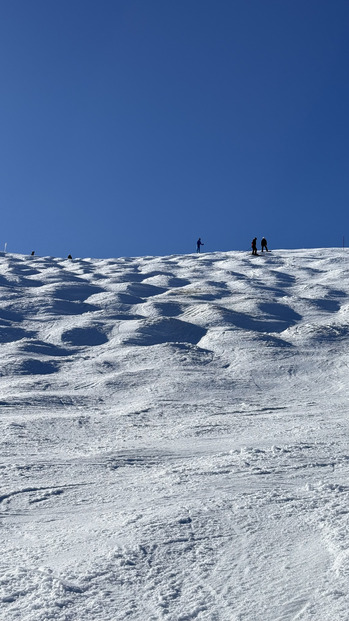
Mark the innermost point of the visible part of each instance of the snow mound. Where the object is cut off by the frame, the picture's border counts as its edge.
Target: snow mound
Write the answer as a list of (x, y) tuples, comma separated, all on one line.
[(174, 437)]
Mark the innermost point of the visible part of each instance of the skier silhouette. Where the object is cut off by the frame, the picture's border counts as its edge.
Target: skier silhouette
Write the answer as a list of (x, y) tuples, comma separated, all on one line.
[(254, 245), (264, 244), (199, 244)]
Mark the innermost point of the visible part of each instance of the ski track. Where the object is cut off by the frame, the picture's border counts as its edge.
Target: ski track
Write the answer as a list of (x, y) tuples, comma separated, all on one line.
[(174, 437)]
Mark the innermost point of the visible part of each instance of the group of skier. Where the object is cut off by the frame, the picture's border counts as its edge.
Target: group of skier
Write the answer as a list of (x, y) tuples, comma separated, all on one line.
[(264, 245)]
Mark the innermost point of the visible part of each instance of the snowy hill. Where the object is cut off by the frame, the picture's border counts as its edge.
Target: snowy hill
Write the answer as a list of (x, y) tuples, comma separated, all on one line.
[(174, 437)]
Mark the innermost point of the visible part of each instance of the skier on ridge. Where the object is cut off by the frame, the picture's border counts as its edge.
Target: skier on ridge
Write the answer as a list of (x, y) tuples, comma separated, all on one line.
[(264, 244), (198, 244), (254, 245)]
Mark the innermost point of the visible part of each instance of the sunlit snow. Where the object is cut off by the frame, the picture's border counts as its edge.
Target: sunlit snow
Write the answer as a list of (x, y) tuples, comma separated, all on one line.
[(174, 437)]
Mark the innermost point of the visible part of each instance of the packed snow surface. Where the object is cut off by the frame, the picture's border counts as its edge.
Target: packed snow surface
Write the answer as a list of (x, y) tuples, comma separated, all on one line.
[(174, 437)]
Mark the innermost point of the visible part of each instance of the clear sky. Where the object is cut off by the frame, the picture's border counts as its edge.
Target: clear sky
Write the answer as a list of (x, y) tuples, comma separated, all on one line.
[(131, 127)]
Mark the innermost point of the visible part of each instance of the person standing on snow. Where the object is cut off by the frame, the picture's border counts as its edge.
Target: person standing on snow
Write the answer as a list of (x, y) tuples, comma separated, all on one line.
[(264, 244), (254, 245), (199, 244)]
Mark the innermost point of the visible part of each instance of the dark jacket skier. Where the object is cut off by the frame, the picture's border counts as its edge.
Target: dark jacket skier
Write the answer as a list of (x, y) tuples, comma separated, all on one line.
[(254, 245), (199, 244), (264, 244)]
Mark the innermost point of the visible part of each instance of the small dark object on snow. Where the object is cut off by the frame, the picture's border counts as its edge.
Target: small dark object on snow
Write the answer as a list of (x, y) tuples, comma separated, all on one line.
[(254, 245), (69, 256), (198, 244), (32, 253)]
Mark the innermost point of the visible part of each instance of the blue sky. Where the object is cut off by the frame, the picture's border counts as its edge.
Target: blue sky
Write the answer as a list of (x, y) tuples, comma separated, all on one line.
[(131, 127)]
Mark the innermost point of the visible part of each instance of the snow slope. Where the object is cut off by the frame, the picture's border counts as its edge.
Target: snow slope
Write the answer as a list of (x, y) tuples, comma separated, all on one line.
[(174, 437)]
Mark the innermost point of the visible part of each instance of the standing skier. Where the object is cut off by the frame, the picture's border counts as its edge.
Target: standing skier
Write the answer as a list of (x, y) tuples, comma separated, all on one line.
[(264, 244), (254, 245), (199, 244)]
